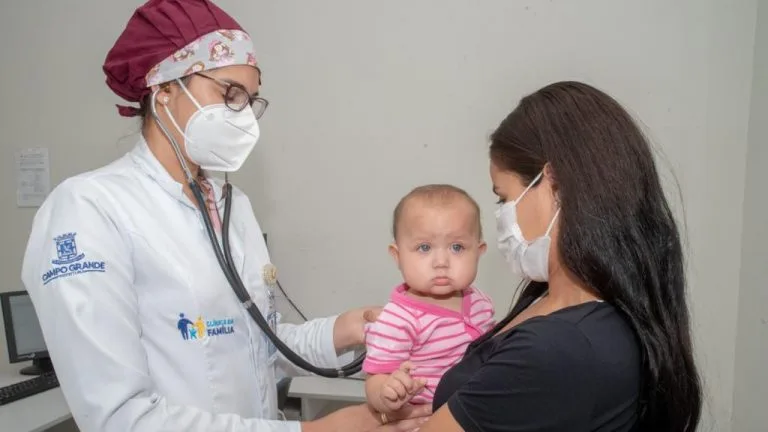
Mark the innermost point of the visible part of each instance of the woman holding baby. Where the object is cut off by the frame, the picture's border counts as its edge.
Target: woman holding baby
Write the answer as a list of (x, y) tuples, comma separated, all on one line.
[(599, 339)]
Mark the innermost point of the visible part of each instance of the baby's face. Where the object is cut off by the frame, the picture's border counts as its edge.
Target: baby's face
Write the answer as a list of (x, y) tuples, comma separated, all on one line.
[(438, 247)]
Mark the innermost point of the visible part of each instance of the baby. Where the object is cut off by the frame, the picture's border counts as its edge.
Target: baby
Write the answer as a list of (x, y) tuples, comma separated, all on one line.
[(432, 317)]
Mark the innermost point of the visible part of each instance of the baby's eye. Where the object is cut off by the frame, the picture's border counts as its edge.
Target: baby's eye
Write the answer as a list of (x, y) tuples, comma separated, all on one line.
[(424, 247), (457, 247)]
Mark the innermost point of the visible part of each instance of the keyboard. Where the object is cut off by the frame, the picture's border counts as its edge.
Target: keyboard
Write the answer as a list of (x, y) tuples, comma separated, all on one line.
[(28, 387)]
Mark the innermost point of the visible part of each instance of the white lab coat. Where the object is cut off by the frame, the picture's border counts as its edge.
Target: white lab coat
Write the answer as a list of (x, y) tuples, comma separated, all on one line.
[(114, 257)]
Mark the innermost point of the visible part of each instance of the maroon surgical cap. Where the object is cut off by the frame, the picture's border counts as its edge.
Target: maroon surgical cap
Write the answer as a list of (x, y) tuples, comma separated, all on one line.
[(157, 29)]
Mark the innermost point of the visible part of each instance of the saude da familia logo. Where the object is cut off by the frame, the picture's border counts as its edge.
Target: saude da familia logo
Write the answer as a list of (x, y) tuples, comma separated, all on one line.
[(201, 328)]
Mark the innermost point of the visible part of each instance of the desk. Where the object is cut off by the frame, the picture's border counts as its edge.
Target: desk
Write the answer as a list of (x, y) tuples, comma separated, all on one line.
[(321, 395), (34, 413)]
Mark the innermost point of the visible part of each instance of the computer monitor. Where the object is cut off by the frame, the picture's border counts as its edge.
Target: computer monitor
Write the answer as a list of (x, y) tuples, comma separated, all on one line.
[(23, 334)]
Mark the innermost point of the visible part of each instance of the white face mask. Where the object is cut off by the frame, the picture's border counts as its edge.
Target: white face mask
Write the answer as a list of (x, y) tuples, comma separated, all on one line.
[(527, 259), (217, 138)]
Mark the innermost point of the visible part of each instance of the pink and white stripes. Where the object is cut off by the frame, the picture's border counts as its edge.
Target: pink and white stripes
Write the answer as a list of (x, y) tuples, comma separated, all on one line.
[(432, 337)]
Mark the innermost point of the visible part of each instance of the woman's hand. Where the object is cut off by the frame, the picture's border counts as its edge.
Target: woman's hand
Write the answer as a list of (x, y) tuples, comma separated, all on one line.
[(409, 418), (349, 329)]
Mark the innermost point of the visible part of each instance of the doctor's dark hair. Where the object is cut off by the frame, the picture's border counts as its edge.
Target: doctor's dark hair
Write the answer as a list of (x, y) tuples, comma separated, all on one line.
[(617, 233)]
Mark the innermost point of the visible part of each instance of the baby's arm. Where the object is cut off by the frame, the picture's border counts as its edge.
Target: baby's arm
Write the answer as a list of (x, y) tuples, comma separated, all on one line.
[(389, 342)]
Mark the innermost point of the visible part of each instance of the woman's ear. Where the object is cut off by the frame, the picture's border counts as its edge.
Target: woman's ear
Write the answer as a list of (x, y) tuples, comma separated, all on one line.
[(549, 175), (549, 172)]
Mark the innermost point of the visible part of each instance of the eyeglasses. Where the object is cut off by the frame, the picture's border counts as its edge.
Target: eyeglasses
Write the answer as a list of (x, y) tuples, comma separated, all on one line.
[(236, 97)]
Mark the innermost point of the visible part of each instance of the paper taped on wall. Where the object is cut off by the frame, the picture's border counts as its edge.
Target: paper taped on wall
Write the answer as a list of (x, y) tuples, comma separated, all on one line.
[(33, 177)]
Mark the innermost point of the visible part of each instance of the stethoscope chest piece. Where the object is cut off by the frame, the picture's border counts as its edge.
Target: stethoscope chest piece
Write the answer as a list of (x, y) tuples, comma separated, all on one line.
[(269, 274)]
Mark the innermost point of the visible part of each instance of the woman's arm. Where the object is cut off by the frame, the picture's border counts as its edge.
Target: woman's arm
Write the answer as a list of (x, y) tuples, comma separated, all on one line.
[(361, 418), (349, 419), (91, 325), (443, 421)]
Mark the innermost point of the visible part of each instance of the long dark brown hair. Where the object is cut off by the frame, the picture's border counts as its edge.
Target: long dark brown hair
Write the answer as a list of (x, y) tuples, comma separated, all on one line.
[(617, 232)]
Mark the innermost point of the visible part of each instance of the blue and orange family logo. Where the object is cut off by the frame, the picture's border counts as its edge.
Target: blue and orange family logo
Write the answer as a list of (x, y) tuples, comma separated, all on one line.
[(200, 328)]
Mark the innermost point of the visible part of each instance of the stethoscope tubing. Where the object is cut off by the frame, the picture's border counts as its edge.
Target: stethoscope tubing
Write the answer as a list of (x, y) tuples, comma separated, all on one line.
[(224, 258)]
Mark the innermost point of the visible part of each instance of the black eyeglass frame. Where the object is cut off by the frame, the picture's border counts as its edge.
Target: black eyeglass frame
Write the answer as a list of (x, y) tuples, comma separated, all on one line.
[(232, 90)]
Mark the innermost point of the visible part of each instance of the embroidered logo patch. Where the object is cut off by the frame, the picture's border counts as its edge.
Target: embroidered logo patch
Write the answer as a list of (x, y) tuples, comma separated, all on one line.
[(69, 261), (201, 328)]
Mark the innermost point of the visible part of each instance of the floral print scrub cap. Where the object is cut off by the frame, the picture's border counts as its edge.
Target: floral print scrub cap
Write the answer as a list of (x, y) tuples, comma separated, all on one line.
[(169, 39)]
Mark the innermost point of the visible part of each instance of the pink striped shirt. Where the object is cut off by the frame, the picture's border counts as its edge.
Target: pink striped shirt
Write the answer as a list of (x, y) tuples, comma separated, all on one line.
[(432, 337)]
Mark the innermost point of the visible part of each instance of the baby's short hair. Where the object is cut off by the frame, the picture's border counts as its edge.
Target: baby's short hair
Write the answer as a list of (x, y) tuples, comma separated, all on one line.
[(440, 194)]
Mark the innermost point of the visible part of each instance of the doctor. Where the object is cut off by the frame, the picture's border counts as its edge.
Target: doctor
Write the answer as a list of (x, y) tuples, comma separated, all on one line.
[(140, 321)]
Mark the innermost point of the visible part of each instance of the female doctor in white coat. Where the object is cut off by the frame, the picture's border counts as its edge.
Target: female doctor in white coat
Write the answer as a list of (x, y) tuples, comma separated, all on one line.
[(143, 329)]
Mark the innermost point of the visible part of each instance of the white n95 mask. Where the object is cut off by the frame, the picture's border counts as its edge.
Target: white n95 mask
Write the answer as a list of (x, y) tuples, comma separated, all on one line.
[(217, 138), (527, 259)]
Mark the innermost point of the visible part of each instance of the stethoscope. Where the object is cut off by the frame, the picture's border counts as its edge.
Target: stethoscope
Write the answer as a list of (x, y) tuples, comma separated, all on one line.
[(224, 257)]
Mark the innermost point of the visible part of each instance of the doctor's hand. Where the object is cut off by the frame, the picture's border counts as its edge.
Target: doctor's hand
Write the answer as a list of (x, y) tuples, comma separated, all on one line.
[(349, 329)]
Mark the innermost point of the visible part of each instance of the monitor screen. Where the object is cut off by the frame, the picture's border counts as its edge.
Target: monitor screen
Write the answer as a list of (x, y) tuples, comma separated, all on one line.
[(22, 329), (26, 327)]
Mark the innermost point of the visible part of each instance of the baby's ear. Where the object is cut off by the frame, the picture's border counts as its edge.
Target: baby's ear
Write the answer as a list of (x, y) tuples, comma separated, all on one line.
[(395, 252), (483, 247)]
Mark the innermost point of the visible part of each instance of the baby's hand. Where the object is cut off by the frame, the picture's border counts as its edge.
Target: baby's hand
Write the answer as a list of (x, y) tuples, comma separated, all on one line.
[(400, 387)]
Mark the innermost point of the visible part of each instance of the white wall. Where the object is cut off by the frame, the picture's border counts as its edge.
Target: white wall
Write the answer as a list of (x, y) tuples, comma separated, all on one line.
[(751, 378), (369, 100)]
